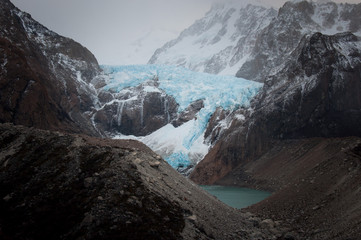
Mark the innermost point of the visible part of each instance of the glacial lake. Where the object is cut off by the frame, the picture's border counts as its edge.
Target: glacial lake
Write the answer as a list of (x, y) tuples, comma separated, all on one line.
[(235, 196)]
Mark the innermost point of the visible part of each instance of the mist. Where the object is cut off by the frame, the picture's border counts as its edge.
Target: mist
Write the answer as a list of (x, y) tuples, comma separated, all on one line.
[(126, 31)]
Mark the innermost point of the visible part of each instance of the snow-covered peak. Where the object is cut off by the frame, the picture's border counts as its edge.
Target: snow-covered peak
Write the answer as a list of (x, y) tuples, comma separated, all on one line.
[(238, 4), (236, 35), (219, 42), (274, 46)]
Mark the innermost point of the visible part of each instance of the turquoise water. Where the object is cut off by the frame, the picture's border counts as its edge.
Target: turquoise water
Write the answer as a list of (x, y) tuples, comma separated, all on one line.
[(237, 197)]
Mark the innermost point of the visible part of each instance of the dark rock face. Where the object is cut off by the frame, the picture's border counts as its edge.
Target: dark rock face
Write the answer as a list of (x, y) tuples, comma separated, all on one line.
[(44, 78), (189, 113), (317, 94), (137, 110), (221, 120), (314, 94), (61, 187), (213, 128), (58, 186)]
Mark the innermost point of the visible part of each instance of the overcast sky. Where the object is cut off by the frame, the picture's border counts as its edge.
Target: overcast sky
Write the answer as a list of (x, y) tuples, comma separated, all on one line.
[(121, 31)]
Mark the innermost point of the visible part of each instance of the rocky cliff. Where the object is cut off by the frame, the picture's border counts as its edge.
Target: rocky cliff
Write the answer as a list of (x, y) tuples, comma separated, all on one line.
[(138, 110), (295, 19), (317, 93), (59, 186), (44, 77)]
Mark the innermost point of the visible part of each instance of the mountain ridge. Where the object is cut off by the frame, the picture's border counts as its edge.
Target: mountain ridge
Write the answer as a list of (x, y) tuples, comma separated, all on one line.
[(216, 36), (256, 47), (305, 99), (301, 120), (298, 139), (51, 75)]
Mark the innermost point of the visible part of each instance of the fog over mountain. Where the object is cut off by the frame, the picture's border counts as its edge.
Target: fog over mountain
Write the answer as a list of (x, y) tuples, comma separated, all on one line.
[(112, 29), (296, 132)]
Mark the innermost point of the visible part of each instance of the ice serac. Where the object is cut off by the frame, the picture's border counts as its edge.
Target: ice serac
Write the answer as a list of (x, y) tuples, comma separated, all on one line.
[(280, 38), (186, 102), (218, 43), (45, 79), (316, 94)]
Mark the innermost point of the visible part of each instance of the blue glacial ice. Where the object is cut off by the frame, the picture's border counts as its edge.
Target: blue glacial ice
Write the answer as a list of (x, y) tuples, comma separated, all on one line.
[(184, 145)]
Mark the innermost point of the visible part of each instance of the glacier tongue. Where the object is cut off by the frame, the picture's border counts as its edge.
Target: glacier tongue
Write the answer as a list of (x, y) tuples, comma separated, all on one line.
[(185, 145)]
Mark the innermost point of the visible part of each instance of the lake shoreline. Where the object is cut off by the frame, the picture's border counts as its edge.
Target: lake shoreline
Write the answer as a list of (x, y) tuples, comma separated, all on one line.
[(236, 197)]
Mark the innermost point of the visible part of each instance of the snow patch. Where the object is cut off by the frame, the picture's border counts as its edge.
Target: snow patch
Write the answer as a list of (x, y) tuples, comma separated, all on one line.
[(240, 117), (151, 89)]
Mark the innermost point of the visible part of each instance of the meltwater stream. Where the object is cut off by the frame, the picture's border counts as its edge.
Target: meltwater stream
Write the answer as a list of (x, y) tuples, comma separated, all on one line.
[(235, 196)]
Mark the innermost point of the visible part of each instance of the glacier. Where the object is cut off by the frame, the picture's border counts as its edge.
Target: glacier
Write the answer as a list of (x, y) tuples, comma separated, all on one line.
[(183, 146)]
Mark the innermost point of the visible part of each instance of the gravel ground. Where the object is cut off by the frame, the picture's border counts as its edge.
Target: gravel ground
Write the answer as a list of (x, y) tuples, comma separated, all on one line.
[(59, 186), (316, 184)]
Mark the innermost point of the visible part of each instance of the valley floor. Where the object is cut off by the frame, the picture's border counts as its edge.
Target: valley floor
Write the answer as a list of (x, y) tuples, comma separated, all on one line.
[(59, 186)]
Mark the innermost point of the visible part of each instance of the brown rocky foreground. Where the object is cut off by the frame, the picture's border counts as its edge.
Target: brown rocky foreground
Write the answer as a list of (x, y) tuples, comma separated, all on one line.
[(60, 186)]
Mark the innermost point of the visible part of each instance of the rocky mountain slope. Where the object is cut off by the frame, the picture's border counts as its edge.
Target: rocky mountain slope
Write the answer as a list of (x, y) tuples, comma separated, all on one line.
[(317, 94), (54, 185), (218, 43), (51, 82), (277, 42), (59, 186), (44, 77), (317, 183), (252, 41)]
